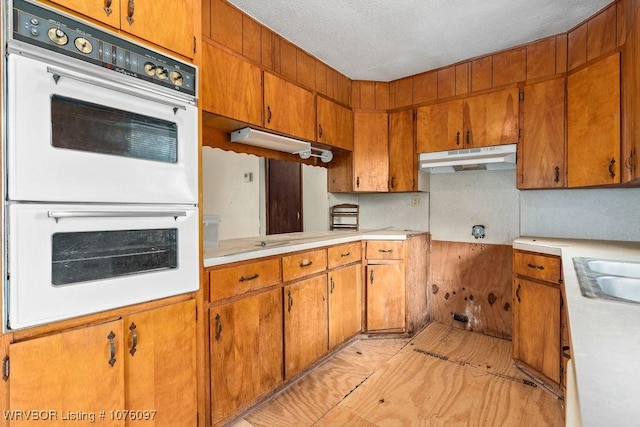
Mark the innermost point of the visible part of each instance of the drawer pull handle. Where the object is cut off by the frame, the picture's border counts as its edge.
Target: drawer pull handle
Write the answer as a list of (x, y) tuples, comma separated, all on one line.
[(385, 251), (518, 292), (107, 7), (130, 12), (345, 254), (305, 264), (218, 327), (565, 352), (612, 172), (290, 302), (134, 339), (557, 178), (539, 267), (246, 279), (458, 138), (5, 368), (112, 348)]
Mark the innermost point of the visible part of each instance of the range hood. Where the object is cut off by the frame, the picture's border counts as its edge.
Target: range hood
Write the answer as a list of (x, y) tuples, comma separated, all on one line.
[(481, 158)]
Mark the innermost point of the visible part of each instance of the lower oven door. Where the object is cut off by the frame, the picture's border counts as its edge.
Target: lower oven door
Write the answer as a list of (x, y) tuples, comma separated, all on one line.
[(70, 260)]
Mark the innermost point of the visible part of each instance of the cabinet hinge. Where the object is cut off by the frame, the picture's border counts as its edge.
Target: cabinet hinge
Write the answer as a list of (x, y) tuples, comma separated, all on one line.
[(521, 96), (5, 368)]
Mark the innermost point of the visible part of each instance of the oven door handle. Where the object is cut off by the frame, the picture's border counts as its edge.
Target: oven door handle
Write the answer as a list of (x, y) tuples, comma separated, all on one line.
[(57, 73), (58, 215)]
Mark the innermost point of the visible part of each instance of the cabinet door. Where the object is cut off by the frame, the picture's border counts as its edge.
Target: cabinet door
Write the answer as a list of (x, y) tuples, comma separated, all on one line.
[(288, 108), (385, 297), (491, 119), (73, 372), (593, 124), (246, 352), (231, 86), (305, 324), (345, 304), (97, 10), (402, 153), (536, 340), (165, 23), (160, 359), (371, 152), (542, 149), (439, 127), (335, 124)]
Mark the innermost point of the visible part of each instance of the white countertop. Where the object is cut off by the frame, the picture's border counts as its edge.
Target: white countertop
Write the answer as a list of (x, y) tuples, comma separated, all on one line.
[(234, 250), (605, 335)]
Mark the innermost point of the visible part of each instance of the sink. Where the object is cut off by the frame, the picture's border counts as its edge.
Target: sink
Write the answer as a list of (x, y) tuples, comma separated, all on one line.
[(611, 280), (617, 268), (620, 287)]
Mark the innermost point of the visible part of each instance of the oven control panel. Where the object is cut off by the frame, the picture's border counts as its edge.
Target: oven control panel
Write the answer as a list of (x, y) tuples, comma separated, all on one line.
[(63, 34)]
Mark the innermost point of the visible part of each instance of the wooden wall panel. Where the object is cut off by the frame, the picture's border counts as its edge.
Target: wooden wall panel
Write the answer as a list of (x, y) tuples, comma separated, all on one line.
[(368, 95), (251, 41), (425, 87), (226, 25), (332, 83), (509, 67), (382, 96), (462, 78), (621, 22), (344, 89), (561, 53), (288, 59), (355, 94), (473, 279), (404, 92), (321, 77), (446, 82), (577, 47), (601, 33), (266, 48), (541, 58), (205, 15), (306, 69), (481, 73)]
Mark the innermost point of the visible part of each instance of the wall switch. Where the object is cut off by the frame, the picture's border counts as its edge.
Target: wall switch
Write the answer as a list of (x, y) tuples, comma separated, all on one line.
[(415, 201), (248, 176)]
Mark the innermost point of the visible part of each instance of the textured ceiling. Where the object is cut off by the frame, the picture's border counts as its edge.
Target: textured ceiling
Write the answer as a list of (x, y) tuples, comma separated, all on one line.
[(384, 40)]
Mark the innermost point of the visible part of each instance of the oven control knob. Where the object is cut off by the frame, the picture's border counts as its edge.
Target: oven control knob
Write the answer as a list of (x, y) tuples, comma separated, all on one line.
[(34, 21), (150, 68), (83, 45), (162, 73), (35, 32), (176, 78), (57, 36)]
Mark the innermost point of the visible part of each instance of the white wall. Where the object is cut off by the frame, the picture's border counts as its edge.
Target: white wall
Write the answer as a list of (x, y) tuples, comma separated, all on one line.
[(315, 199)]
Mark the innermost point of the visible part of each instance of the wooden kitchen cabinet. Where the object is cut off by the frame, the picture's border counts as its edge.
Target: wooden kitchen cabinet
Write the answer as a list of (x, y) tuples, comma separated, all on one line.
[(370, 152), (537, 316), (345, 299), (386, 296), (288, 108), (403, 170), (335, 124), (246, 352), (135, 363), (237, 280), (593, 124), (476, 121), (165, 23), (305, 324), (541, 152), (238, 98), (302, 264)]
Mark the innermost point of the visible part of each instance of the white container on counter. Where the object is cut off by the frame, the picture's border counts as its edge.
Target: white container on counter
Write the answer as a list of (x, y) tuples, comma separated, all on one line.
[(210, 234)]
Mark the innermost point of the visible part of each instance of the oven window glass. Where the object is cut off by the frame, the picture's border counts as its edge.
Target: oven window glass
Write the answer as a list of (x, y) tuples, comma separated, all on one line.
[(83, 126), (79, 257)]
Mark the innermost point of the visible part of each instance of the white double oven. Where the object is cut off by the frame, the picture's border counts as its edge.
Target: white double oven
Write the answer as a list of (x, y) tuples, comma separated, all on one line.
[(100, 170)]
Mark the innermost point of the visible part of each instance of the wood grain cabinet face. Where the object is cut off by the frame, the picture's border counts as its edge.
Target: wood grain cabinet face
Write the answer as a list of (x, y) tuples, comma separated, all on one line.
[(593, 124), (288, 108), (542, 148), (344, 254), (237, 280), (305, 324), (345, 304), (370, 152), (403, 171), (440, 127), (246, 352), (386, 297), (145, 19), (385, 249), (335, 124), (303, 264)]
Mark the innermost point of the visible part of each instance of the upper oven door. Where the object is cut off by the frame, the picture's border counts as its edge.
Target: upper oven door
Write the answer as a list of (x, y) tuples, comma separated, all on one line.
[(81, 138), (70, 260)]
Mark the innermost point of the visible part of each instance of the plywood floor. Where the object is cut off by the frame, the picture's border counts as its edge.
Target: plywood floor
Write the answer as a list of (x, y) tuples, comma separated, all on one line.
[(443, 376)]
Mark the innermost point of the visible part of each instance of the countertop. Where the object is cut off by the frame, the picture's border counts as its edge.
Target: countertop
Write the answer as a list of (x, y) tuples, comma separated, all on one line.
[(234, 250), (605, 335)]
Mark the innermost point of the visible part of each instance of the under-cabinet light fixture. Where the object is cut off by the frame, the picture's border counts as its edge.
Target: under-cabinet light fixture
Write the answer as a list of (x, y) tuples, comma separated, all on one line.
[(325, 155), (258, 138)]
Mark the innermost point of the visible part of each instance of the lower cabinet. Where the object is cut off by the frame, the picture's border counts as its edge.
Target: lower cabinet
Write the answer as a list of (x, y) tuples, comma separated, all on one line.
[(246, 352), (134, 364), (345, 304), (385, 284), (305, 323)]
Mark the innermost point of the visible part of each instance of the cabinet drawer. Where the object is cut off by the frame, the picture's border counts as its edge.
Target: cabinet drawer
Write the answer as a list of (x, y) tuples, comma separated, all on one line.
[(232, 281), (537, 266), (385, 249), (344, 254), (303, 264)]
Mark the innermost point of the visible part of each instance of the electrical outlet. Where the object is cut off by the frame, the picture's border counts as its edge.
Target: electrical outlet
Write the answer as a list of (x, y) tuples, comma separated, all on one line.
[(415, 201)]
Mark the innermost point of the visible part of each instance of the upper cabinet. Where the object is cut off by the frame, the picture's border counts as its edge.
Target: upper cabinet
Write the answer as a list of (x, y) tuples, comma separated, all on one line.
[(370, 152), (476, 121), (593, 124), (144, 19), (288, 108), (335, 124), (240, 97), (541, 160), (403, 169)]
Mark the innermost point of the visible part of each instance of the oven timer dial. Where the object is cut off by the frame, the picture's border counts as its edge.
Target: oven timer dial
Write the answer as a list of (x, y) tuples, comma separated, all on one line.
[(58, 36), (83, 45), (150, 68), (162, 73), (176, 78)]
